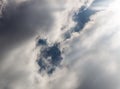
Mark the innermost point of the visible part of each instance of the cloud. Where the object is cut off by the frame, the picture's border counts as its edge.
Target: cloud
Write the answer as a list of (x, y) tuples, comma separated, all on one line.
[(90, 58), (20, 22), (94, 54)]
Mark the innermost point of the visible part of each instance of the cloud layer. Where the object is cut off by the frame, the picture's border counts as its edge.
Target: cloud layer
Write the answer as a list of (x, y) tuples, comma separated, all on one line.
[(78, 39)]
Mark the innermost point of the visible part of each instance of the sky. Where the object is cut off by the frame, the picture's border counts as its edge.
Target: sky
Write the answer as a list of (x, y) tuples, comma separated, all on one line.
[(59, 44)]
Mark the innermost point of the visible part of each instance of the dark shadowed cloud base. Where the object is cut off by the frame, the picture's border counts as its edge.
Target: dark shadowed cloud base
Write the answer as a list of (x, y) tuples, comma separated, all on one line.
[(20, 22)]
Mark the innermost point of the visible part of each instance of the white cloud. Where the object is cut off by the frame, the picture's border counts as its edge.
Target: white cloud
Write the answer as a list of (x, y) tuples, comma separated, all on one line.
[(95, 53)]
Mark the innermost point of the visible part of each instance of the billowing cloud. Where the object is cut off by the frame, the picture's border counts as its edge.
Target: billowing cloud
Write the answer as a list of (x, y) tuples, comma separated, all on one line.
[(20, 22), (37, 55)]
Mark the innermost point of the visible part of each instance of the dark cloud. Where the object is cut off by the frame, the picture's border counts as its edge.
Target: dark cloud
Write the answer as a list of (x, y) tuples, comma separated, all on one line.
[(20, 22)]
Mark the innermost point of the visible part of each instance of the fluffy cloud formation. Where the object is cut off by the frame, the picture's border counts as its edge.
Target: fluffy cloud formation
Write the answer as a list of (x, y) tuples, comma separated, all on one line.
[(90, 53)]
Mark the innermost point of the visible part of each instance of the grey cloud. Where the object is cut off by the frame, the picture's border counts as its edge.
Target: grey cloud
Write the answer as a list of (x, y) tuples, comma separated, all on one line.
[(95, 76), (15, 72), (93, 65), (25, 16), (20, 22)]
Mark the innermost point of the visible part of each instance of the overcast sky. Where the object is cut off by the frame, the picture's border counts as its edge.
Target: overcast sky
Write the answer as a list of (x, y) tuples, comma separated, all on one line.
[(59, 44)]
